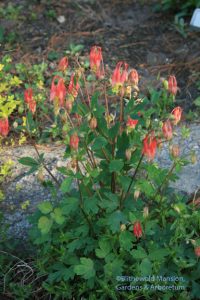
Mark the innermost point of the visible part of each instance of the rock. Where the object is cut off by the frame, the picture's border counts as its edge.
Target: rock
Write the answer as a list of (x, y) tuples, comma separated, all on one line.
[(20, 188), (61, 19)]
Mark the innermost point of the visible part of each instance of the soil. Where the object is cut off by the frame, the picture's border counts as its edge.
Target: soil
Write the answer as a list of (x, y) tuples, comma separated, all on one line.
[(127, 30)]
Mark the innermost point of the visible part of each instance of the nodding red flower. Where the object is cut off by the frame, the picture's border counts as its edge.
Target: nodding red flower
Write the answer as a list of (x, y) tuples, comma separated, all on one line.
[(74, 141), (172, 85), (73, 86), (28, 97), (149, 146), (4, 127), (120, 74), (63, 64), (58, 91), (177, 112), (137, 229), (133, 77), (167, 130), (96, 61), (197, 251), (131, 123)]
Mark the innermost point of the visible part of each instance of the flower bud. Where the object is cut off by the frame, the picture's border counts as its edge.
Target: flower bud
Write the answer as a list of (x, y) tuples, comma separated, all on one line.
[(172, 85), (40, 175), (165, 84), (74, 141), (15, 124), (197, 251), (128, 154), (122, 227), (193, 242), (193, 158), (136, 194), (175, 151), (133, 77), (73, 163), (159, 143), (69, 105), (128, 91), (145, 212), (167, 130), (148, 122), (93, 123), (177, 209)]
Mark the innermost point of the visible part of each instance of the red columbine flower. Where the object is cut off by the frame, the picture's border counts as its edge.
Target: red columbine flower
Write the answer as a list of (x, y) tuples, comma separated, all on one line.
[(96, 61), (58, 91), (74, 141), (28, 97), (131, 123), (63, 64), (172, 85), (120, 74), (137, 229), (73, 86), (133, 77), (177, 112), (167, 130), (197, 251), (149, 146), (4, 127)]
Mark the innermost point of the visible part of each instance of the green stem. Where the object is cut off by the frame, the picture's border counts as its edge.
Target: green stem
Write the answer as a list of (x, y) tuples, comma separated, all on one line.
[(132, 180), (81, 206), (165, 180), (45, 167)]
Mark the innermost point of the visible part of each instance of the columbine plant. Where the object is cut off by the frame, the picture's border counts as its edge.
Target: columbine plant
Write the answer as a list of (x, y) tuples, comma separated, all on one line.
[(117, 215)]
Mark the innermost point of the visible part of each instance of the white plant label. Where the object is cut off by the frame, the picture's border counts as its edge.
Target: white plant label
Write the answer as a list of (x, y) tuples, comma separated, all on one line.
[(195, 21)]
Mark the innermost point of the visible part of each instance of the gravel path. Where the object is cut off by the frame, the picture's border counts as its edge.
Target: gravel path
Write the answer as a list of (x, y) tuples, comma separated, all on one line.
[(21, 190)]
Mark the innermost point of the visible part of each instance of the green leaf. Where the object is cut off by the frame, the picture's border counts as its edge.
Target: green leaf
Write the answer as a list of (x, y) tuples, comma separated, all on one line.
[(197, 101), (114, 268), (85, 268), (195, 289), (116, 165), (45, 207), (76, 244), (140, 253), (91, 205), (126, 239), (70, 205), (146, 187), (104, 250), (44, 224), (28, 161), (114, 131), (115, 219), (57, 216), (94, 100), (145, 267), (66, 184), (99, 142), (158, 254), (125, 182), (77, 48)]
